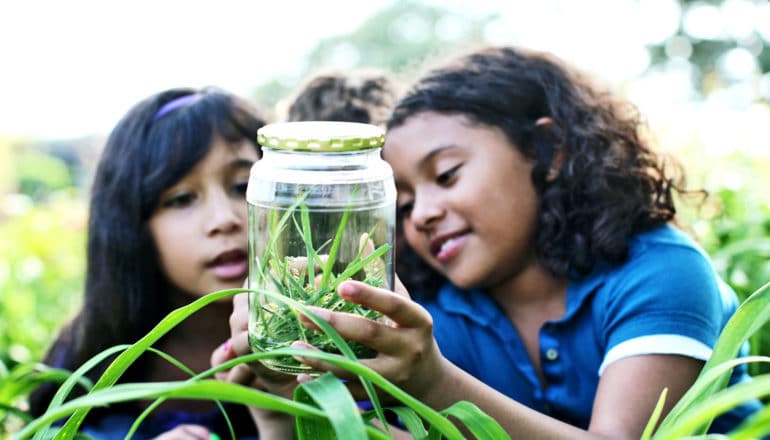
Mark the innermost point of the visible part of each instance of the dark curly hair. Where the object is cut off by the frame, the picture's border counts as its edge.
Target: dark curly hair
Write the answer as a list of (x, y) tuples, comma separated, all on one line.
[(359, 95), (610, 183)]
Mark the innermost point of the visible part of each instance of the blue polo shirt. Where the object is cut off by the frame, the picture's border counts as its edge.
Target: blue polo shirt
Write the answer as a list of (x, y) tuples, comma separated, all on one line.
[(665, 299)]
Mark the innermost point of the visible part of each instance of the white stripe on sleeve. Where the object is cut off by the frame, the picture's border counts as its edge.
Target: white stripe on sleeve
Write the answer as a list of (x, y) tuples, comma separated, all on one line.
[(657, 344)]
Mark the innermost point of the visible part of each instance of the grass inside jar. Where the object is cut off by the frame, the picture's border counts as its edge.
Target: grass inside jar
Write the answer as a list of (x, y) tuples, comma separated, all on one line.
[(311, 280)]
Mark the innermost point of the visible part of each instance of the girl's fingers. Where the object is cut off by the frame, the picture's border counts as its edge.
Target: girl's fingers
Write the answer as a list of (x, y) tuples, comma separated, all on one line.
[(243, 375), (239, 343), (239, 319), (399, 288), (319, 365), (220, 355), (396, 306), (380, 336)]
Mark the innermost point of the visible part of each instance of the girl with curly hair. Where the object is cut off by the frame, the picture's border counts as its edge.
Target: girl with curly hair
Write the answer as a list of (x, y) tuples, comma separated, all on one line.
[(557, 294)]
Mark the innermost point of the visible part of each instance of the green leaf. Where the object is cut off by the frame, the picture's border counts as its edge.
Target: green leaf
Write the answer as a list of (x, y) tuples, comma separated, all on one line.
[(750, 316), (477, 422), (754, 427), (308, 238), (204, 389), (330, 394), (127, 357), (327, 270), (160, 401), (706, 410), (411, 421), (648, 430)]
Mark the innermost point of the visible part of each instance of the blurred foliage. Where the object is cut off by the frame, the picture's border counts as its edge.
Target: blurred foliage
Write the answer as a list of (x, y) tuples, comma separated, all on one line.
[(15, 384), (738, 240), (407, 34), (400, 37), (733, 225), (39, 173), (42, 266)]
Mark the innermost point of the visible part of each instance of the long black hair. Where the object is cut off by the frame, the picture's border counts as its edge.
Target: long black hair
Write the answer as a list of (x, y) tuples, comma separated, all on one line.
[(147, 152), (609, 185)]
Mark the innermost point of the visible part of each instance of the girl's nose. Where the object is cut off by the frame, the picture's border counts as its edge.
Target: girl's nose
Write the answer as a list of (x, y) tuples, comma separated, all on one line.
[(225, 214), (426, 211)]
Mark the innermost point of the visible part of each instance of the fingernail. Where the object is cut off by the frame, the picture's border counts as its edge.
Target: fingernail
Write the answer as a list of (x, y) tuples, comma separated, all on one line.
[(347, 290), (227, 346), (304, 378), (213, 436), (300, 344)]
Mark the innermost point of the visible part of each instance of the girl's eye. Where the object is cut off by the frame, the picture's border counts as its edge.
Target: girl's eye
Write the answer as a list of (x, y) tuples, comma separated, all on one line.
[(179, 201), (404, 210), (446, 177), (240, 188)]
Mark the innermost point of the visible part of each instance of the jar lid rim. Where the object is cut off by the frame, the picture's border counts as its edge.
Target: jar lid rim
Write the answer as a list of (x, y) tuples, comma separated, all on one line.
[(320, 136)]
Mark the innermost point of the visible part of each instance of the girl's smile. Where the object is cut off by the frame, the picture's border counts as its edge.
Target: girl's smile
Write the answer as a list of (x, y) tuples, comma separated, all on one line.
[(447, 246)]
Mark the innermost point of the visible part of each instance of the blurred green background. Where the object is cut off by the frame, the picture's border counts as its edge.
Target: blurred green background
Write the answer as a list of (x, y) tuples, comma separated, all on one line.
[(699, 71)]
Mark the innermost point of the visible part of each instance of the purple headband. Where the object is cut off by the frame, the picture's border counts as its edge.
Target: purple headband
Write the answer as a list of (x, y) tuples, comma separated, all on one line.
[(182, 101)]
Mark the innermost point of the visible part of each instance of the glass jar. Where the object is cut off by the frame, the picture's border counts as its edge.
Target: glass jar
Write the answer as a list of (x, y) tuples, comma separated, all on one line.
[(321, 207)]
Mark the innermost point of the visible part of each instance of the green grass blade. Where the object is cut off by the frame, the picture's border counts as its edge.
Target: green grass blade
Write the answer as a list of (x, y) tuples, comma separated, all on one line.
[(705, 411), (705, 382), (329, 394), (204, 389), (78, 377), (353, 268), (650, 428), (411, 421), (6, 409), (127, 357), (362, 248), (160, 401), (478, 423), (754, 427), (327, 268), (24, 378), (431, 416), (750, 316), (307, 236), (276, 232), (340, 344)]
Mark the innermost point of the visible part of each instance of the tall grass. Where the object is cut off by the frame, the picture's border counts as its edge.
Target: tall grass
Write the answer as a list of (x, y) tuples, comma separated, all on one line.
[(324, 408)]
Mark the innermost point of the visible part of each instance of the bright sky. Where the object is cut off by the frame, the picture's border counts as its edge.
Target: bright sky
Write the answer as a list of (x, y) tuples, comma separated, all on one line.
[(74, 67)]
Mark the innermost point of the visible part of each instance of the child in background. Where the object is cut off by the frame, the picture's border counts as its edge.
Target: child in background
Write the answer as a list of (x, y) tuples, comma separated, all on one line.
[(571, 300), (167, 225), (358, 95)]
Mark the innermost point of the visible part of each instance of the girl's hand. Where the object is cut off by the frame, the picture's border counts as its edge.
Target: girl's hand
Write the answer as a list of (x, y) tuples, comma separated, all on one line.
[(408, 354), (270, 424), (253, 374)]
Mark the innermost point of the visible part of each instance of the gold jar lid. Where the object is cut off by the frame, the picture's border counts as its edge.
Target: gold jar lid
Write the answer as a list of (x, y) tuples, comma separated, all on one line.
[(324, 136)]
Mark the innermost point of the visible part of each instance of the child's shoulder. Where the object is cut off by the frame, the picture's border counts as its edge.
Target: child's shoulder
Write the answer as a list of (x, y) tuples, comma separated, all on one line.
[(659, 260), (663, 244)]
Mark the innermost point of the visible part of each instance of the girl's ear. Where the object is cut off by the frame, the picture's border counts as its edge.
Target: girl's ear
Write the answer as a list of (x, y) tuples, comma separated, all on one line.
[(545, 125)]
